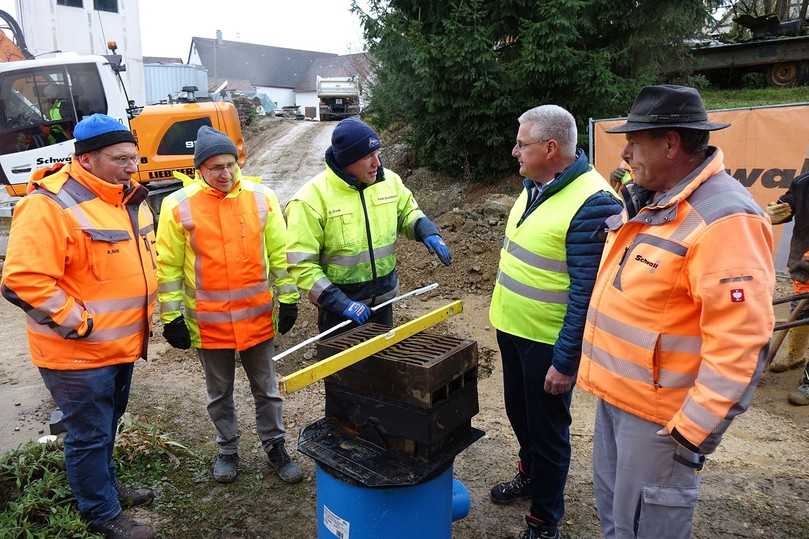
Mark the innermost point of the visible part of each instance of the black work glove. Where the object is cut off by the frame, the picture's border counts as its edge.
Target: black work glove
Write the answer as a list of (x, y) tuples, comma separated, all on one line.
[(287, 314), (176, 333)]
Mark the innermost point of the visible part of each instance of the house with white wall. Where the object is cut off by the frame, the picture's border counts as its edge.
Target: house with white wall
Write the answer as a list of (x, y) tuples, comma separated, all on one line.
[(85, 27), (285, 76)]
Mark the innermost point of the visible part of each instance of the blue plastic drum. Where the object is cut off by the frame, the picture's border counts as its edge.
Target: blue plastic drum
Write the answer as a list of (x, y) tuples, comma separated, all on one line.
[(424, 511)]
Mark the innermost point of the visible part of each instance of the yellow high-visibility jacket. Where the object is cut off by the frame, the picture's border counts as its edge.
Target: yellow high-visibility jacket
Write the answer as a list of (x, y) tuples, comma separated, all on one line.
[(344, 236)]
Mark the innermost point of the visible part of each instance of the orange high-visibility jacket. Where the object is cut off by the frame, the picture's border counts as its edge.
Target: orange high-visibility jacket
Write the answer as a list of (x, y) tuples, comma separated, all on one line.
[(681, 312), (216, 252), (80, 262)]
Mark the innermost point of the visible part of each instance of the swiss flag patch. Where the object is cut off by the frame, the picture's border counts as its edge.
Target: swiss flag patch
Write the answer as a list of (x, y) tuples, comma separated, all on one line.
[(737, 295)]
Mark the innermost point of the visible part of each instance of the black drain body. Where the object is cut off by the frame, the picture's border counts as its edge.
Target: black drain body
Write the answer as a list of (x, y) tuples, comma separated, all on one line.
[(409, 407), (413, 397)]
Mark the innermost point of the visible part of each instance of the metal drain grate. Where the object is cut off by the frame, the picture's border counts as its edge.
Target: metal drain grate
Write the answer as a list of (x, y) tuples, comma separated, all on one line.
[(422, 349)]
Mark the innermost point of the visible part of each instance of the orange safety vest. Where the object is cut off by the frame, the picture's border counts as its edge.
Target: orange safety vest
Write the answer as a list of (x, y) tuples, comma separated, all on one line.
[(80, 262), (681, 312), (222, 242)]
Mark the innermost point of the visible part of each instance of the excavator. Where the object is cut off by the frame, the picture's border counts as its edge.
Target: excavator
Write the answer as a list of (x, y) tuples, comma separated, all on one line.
[(42, 98)]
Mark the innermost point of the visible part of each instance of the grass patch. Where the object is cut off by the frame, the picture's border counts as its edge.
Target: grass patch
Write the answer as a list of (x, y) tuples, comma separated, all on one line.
[(753, 97), (35, 498), (144, 455)]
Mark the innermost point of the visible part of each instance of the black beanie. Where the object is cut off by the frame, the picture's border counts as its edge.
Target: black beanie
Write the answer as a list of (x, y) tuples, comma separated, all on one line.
[(211, 142), (352, 140)]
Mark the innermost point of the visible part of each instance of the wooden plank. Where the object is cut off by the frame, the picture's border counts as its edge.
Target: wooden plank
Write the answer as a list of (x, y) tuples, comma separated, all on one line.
[(313, 373)]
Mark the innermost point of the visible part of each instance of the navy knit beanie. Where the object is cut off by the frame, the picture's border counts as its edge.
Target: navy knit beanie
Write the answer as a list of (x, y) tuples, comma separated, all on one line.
[(99, 131), (211, 142), (352, 140)]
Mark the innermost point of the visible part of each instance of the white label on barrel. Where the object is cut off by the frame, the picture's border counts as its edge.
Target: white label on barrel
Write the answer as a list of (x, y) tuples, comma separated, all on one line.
[(335, 524)]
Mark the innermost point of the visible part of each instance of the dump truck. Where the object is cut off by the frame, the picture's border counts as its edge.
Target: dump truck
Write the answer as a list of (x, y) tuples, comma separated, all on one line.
[(339, 97)]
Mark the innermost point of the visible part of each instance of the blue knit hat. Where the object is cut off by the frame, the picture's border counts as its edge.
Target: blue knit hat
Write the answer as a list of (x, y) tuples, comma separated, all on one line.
[(211, 142), (99, 131), (352, 140)]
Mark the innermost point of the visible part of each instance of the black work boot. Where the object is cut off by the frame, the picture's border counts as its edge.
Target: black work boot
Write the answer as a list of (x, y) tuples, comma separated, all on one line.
[(519, 488), (132, 496), (282, 464), (538, 529), (226, 467), (122, 527)]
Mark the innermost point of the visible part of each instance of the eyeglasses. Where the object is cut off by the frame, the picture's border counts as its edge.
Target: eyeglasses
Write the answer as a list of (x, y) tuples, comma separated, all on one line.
[(122, 160), (521, 146), (219, 169)]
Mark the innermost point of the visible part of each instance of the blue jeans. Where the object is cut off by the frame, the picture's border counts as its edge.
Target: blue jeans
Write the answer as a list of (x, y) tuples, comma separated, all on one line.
[(92, 401), (541, 422)]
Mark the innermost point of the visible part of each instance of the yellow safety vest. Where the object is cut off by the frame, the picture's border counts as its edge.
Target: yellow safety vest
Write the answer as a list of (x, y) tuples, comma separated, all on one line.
[(530, 295)]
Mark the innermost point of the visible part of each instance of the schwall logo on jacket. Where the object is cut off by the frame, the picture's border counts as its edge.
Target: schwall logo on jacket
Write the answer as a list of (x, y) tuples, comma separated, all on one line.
[(652, 265)]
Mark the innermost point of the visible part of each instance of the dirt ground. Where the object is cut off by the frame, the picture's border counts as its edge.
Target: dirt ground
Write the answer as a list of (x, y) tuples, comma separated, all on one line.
[(755, 485), (286, 153)]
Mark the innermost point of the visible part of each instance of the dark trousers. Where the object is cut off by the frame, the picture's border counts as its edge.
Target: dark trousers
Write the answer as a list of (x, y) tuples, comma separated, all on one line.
[(327, 319), (541, 422), (92, 401)]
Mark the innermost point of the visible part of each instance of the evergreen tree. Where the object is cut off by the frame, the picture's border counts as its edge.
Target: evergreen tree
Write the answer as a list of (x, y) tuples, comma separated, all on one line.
[(459, 72)]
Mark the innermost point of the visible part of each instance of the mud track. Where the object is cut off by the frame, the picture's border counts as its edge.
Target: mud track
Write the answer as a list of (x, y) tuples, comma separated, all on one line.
[(289, 154)]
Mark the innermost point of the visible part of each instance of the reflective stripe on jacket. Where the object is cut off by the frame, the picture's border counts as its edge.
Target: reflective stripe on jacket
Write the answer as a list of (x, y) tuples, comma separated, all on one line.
[(531, 291), (215, 254), (344, 236), (80, 263), (681, 312)]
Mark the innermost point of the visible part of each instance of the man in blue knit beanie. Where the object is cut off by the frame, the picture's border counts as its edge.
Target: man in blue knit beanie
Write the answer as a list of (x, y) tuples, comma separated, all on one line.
[(343, 225), (80, 264)]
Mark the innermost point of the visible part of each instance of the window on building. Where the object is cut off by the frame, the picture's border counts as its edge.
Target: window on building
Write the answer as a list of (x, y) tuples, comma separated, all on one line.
[(106, 5), (70, 3)]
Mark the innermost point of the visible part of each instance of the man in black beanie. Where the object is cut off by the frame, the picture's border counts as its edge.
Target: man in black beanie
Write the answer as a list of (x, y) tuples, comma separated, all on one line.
[(219, 240), (343, 225)]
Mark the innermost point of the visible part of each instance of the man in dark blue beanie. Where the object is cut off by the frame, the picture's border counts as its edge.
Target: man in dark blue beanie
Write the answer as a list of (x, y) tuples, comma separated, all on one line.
[(343, 225)]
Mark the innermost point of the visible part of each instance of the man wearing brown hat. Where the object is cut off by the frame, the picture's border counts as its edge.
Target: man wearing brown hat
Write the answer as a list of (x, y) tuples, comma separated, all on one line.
[(679, 320)]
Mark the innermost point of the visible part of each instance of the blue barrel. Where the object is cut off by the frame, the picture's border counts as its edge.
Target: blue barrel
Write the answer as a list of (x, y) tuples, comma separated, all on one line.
[(423, 511)]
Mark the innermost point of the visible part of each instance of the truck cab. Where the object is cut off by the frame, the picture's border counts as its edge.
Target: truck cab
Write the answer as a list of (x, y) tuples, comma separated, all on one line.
[(40, 103), (339, 97)]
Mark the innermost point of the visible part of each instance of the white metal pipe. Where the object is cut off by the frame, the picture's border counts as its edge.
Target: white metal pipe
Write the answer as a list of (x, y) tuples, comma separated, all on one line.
[(310, 340)]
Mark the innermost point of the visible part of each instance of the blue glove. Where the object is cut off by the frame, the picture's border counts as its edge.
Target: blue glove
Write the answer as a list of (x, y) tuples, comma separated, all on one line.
[(436, 245), (358, 312)]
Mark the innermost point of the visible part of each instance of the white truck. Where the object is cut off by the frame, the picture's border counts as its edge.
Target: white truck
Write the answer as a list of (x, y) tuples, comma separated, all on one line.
[(339, 97)]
